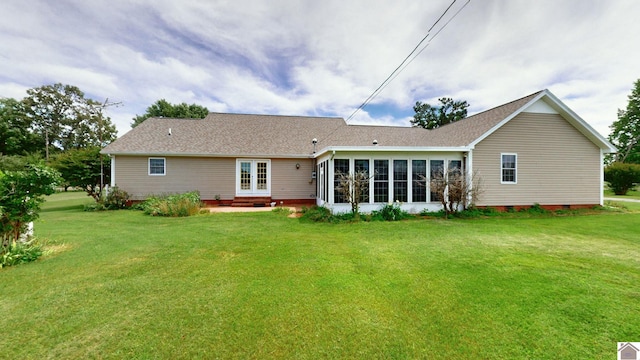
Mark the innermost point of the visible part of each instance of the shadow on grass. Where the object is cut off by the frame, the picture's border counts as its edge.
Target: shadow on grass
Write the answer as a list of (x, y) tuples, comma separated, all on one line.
[(62, 208)]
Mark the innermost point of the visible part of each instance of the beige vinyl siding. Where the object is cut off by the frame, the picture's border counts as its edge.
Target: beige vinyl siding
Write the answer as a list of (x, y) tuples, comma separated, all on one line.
[(210, 176), (287, 182), (556, 164)]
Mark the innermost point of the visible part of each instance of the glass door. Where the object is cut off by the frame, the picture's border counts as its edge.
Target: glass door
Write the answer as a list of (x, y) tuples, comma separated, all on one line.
[(253, 177)]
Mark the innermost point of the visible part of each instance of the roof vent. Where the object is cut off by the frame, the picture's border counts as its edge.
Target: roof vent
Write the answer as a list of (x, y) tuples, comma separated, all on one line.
[(375, 142), (169, 131)]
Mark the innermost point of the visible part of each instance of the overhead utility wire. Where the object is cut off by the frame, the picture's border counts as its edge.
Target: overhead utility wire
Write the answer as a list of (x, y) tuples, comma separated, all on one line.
[(429, 42), (404, 62)]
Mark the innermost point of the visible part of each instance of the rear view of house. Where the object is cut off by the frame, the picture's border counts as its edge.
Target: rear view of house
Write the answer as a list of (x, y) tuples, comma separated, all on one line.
[(531, 150)]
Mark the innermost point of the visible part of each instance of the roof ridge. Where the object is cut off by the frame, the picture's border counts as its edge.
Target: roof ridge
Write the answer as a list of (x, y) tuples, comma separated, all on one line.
[(276, 115), (506, 104)]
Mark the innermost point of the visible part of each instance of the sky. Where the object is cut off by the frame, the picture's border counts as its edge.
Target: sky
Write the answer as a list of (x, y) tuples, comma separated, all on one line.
[(324, 58)]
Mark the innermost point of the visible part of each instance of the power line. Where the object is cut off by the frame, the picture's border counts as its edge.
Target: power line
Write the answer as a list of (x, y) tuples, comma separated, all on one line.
[(408, 59)]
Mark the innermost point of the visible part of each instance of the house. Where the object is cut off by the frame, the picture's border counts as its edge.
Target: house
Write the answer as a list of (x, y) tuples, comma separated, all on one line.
[(628, 352), (534, 150)]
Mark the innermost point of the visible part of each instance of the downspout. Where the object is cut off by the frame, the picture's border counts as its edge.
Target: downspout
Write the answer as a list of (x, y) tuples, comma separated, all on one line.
[(113, 170), (469, 174), (601, 177)]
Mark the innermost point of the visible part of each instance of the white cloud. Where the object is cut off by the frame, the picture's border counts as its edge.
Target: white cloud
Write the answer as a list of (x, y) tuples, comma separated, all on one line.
[(323, 58)]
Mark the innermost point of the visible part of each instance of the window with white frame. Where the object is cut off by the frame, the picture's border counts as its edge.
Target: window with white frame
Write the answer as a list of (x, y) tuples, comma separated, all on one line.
[(340, 167), (400, 177), (508, 168), (363, 167), (157, 166), (381, 181), (436, 174), (419, 177)]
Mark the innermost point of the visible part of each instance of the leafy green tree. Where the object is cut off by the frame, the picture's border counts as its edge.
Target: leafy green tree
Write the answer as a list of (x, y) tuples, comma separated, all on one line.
[(432, 117), (21, 193), (625, 132), (162, 108), (622, 177), (66, 119), (82, 168), (15, 137)]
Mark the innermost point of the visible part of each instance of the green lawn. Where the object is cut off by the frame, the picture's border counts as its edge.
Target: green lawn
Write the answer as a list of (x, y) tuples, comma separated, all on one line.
[(631, 194), (260, 286)]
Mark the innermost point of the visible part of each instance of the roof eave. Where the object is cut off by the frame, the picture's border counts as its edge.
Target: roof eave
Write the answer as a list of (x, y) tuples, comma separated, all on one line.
[(565, 112), (378, 148), (213, 155)]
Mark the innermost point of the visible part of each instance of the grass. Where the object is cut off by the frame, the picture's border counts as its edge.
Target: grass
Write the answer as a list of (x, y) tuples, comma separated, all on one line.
[(631, 194), (261, 285)]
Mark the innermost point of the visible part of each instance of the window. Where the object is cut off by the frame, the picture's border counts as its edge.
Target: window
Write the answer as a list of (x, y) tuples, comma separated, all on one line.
[(436, 168), (419, 177), (381, 181), (363, 166), (340, 166), (157, 166), (400, 178), (508, 168)]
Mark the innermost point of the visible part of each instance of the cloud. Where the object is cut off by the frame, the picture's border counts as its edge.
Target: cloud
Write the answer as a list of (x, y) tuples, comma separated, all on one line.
[(323, 58)]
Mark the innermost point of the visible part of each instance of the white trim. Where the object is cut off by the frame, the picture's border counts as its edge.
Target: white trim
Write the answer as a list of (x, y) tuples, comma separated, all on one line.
[(515, 169), (582, 126), (601, 177), (404, 149), (164, 166), (254, 191), (113, 171)]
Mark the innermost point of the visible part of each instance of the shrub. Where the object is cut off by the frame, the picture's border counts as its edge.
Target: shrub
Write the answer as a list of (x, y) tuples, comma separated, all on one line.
[(282, 210), (20, 253), (176, 205), (94, 207), (116, 199), (389, 212), (317, 214), (535, 209), (621, 177)]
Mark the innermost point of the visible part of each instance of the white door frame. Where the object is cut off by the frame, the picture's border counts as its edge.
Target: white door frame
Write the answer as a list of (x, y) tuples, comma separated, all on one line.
[(253, 181)]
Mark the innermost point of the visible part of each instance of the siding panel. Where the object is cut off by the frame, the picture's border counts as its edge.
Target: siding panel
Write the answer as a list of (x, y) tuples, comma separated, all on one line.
[(287, 182), (210, 176), (556, 165)]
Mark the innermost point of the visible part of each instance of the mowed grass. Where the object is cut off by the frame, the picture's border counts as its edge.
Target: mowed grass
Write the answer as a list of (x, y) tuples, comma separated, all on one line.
[(260, 286)]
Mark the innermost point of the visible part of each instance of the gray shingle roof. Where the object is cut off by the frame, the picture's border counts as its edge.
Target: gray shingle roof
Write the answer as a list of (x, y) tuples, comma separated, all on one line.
[(221, 134)]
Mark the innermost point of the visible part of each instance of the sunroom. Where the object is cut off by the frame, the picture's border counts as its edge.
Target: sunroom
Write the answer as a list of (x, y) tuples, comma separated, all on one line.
[(401, 176)]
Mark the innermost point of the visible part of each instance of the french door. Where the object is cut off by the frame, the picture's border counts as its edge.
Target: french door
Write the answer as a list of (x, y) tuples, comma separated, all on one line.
[(253, 177)]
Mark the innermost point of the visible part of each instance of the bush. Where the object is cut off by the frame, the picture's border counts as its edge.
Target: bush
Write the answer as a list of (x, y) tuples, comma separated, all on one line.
[(116, 199), (389, 212), (20, 253), (317, 214), (622, 177), (177, 205)]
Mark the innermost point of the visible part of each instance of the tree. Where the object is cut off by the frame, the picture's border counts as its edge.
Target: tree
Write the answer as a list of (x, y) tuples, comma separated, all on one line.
[(432, 117), (162, 108), (625, 132), (21, 193), (81, 168), (15, 137), (454, 189), (622, 177), (354, 188), (66, 119)]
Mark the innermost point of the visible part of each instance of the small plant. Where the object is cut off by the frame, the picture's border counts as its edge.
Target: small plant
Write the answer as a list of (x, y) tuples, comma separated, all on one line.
[(317, 214), (177, 205), (20, 252), (282, 210), (536, 209), (390, 212)]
